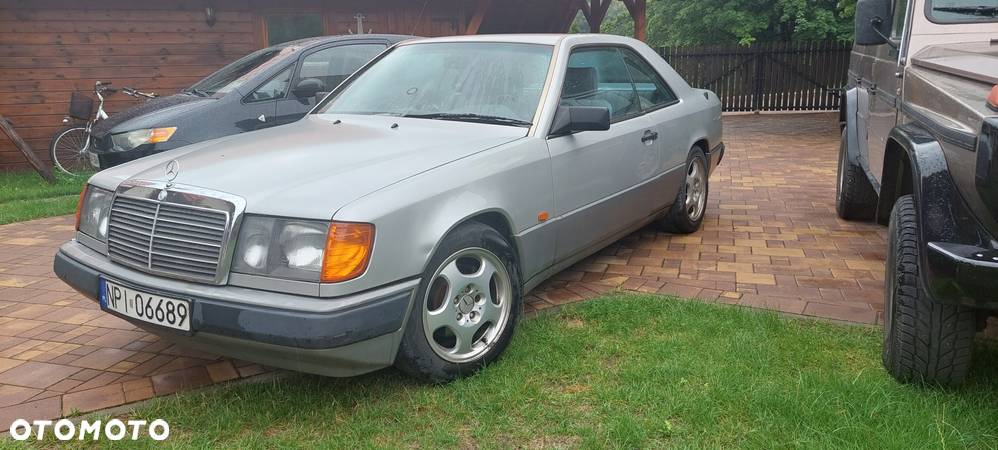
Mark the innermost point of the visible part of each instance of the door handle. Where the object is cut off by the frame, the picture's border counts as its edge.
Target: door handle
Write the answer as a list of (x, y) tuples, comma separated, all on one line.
[(649, 136)]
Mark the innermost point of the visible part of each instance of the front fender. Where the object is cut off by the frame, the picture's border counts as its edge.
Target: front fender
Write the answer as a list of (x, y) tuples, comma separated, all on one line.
[(944, 218), (849, 121), (413, 216)]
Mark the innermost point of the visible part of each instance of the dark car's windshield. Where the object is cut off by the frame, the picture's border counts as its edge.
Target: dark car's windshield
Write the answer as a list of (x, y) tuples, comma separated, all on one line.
[(239, 72), (963, 11), (486, 82)]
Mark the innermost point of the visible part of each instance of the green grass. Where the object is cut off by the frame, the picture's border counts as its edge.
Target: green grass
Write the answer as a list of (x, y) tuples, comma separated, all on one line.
[(625, 371), (24, 195)]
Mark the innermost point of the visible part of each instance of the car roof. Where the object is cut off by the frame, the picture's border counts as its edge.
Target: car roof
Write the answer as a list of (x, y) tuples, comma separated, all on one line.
[(301, 44), (545, 39)]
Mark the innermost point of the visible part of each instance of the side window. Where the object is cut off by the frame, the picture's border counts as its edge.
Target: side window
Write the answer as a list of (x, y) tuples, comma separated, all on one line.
[(274, 88), (335, 64), (597, 77), (900, 10), (651, 88)]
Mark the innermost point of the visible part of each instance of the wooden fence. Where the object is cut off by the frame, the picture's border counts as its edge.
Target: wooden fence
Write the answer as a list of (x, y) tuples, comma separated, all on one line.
[(778, 76)]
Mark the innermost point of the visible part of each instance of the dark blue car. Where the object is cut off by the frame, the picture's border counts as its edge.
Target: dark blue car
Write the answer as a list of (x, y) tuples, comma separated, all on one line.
[(269, 87)]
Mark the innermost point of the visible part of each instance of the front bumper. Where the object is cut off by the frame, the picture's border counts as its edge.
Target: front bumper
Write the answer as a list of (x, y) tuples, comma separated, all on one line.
[(342, 336), (964, 274)]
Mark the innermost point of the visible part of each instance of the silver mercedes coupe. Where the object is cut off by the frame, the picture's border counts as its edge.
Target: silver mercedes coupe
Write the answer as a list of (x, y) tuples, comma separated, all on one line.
[(402, 220)]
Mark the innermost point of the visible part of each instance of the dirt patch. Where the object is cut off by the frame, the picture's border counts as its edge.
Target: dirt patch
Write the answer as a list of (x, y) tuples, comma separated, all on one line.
[(549, 442)]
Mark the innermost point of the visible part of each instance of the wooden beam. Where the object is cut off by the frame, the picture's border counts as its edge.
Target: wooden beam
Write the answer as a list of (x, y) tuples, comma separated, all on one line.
[(476, 19), (564, 23), (597, 12), (586, 11), (29, 154), (639, 13)]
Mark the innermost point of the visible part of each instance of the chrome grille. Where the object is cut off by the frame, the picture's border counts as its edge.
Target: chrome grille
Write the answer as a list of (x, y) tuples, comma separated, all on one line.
[(167, 238)]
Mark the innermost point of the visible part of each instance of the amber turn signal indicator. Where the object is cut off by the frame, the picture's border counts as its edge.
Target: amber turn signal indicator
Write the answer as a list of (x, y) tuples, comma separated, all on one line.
[(161, 134), (543, 216), (348, 250), (79, 205), (993, 98)]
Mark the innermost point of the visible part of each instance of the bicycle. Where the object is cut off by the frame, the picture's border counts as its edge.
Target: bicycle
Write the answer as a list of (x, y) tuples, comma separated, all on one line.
[(70, 148)]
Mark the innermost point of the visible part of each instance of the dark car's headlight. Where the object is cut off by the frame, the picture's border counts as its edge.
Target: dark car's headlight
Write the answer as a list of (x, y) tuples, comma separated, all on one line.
[(92, 212), (307, 250), (132, 139)]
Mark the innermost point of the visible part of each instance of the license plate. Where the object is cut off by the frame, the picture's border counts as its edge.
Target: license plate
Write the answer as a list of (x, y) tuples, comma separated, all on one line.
[(152, 308), (94, 161)]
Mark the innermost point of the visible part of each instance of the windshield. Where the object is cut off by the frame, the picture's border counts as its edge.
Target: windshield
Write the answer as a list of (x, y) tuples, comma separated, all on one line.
[(962, 11), (239, 72), (469, 81)]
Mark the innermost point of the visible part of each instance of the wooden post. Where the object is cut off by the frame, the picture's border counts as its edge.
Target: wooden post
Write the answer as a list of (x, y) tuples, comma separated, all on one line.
[(476, 19), (29, 154), (595, 12), (639, 13)]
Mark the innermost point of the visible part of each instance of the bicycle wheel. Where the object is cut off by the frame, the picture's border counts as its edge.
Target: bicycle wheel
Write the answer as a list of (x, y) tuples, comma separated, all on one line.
[(68, 151)]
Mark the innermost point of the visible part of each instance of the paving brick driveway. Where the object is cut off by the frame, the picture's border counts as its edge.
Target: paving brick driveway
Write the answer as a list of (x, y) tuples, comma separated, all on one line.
[(771, 240)]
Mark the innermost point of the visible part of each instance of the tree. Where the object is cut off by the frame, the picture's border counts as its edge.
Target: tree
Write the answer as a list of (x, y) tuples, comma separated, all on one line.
[(687, 22)]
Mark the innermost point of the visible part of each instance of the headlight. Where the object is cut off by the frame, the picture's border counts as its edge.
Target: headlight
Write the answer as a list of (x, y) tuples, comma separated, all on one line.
[(307, 250), (132, 139), (92, 212)]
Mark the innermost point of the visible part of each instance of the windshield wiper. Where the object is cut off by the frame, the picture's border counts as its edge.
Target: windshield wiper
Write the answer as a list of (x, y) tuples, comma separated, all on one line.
[(991, 11), (471, 117), (196, 92)]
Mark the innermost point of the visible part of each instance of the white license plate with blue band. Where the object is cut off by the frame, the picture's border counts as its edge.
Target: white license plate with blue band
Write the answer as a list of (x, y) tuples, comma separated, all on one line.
[(152, 308)]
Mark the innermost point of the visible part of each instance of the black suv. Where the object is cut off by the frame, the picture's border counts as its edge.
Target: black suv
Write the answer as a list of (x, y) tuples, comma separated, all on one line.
[(272, 86), (920, 153)]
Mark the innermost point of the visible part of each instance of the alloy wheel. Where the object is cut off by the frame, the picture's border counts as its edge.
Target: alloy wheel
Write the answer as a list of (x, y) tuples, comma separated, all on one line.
[(468, 304), (696, 190)]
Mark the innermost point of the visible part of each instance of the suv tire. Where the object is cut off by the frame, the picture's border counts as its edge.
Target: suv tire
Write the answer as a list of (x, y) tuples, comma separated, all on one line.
[(924, 341), (854, 197), (435, 355)]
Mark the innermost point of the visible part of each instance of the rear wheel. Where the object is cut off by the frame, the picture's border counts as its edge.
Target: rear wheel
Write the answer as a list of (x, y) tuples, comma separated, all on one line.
[(68, 151), (466, 308), (854, 197), (686, 214), (924, 341)]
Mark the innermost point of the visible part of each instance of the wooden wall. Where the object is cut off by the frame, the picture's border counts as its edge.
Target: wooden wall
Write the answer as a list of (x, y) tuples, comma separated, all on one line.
[(49, 48)]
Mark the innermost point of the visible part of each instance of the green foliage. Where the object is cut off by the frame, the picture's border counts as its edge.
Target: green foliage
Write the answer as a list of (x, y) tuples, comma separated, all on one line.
[(685, 22)]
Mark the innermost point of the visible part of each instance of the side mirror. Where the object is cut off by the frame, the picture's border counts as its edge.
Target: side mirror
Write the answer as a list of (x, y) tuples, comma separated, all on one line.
[(570, 119), (873, 22), (308, 88)]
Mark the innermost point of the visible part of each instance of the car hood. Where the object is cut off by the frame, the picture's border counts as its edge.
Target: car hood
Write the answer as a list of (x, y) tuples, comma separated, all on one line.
[(976, 61), (157, 112), (311, 168)]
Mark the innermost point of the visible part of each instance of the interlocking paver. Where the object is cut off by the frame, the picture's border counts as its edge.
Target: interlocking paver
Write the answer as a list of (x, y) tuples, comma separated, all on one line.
[(770, 240)]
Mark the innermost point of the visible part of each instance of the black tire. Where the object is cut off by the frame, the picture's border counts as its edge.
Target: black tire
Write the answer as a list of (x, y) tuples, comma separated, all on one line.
[(924, 341), (678, 219), (854, 197), (416, 356), (61, 151)]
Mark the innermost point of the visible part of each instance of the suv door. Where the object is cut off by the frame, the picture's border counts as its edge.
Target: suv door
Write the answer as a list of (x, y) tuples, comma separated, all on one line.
[(330, 65), (259, 108), (594, 170), (883, 93)]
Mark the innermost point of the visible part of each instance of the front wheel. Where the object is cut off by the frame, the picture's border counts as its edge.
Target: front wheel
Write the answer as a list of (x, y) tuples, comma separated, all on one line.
[(466, 308), (686, 214), (69, 151), (924, 341)]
